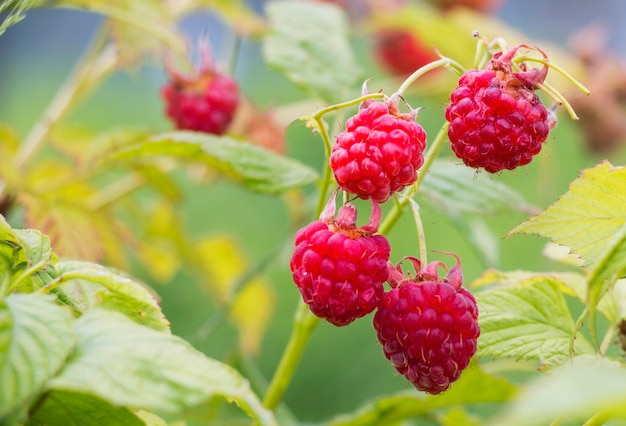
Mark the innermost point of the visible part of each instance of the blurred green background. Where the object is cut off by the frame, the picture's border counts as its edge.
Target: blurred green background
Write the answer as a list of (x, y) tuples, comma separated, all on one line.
[(342, 367)]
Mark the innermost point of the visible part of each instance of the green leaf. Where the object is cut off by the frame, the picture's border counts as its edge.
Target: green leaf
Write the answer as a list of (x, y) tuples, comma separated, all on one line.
[(474, 387), (66, 408), (86, 285), (16, 11), (308, 43), (131, 365), (589, 218), (456, 190), (610, 267), (36, 336), (38, 254), (256, 168), (530, 320), (573, 393), (570, 283), (465, 198)]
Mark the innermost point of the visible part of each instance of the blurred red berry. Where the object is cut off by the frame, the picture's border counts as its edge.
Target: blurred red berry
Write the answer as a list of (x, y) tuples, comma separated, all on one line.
[(204, 102), (401, 52)]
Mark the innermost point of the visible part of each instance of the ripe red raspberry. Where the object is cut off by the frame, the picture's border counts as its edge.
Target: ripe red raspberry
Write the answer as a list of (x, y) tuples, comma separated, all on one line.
[(496, 120), (402, 52), (340, 268), (380, 151), (428, 326), (205, 102)]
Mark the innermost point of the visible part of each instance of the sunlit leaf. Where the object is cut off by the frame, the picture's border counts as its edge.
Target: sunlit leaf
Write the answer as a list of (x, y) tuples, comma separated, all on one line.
[(87, 285), (308, 43), (529, 321), (574, 393), (66, 408), (474, 387), (570, 283), (36, 336), (588, 217), (254, 167), (611, 266), (37, 252), (15, 11), (127, 364)]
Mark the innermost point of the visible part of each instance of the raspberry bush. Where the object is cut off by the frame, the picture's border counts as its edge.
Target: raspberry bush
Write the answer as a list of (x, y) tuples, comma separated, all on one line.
[(232, 195)]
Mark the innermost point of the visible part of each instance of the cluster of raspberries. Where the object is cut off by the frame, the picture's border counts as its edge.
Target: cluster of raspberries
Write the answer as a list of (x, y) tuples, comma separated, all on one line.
[(427, 325)]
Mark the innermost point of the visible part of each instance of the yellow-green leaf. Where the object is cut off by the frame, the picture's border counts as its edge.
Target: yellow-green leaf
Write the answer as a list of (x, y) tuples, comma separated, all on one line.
[(529, 321), (85, 286), (254, 167), (588, 217)]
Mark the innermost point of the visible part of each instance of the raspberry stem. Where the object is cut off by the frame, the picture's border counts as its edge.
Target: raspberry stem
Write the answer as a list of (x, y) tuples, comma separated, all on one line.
[(304, 324), (556, 68), (443, 62), (558, 98), (421, 236)]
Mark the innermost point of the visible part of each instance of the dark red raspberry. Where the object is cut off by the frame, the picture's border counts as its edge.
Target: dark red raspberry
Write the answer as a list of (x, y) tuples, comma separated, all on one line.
[(497, 121), (401, 51), (204, 102), (340, 268), (380, 151), (428, 326)]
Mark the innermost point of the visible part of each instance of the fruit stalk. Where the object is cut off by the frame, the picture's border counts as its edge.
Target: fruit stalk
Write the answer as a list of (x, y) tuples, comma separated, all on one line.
[(443, 62), (304, 324)]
